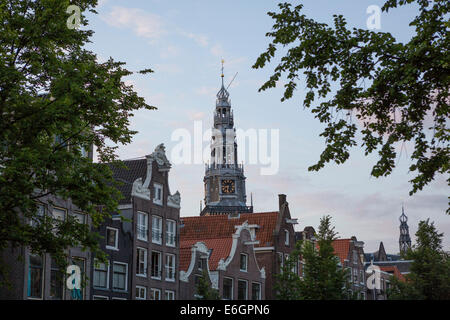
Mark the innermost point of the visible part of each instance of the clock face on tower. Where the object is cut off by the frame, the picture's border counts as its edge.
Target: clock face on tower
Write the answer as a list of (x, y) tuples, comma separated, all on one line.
[(228, 186)]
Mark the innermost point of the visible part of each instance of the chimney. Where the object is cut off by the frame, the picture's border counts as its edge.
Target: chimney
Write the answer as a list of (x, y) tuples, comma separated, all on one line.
[(281, 200)]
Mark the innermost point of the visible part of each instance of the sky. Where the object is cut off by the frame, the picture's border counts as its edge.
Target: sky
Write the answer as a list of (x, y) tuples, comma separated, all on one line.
[(184, 43)]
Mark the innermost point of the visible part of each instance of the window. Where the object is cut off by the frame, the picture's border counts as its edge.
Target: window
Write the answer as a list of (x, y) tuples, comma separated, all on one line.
[(158, 190), (256, 291), (227, 289), (170, 267), (141, 263), (141, 293), (156, 229), (120, 271), (80, 262), (56, 281), (156, 265), (170, 295), (112, 238), (155, 294), (361, 276), (79, 217), (59, 214), (355, 275), (101, 276), (242, 290), (35, 276), (170, 233), (355, 257), (142, 226), (243, 262), (201, 263), (286, 237), (40, 213)]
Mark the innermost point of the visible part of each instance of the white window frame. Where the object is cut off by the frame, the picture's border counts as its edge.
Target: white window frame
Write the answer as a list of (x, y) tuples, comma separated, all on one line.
[(152, 291), (246, 262), (168, 267), (107, 275), (145, 262), (157, 229), (246, 288), (171, 234), (158, 187), (159, 265), (145, 293), (126, 275), (102, 297), (142, 226), (232, 287), (116, 240), (170, 292)]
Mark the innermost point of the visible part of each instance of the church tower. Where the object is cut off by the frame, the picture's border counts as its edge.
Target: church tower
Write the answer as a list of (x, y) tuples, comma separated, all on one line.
[(405, 239), (224, 178)]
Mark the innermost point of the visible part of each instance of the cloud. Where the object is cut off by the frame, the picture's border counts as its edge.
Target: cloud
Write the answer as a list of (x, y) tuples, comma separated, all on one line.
[(200, 39), (143, 24)]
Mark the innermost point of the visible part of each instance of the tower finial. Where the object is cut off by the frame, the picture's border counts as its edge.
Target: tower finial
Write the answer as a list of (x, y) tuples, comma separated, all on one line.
[(222, 71)]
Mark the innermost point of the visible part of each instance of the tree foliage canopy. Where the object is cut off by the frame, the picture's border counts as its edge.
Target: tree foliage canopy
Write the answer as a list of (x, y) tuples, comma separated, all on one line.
[(323, 278), (398, 92), (429, 276), (56, 102)]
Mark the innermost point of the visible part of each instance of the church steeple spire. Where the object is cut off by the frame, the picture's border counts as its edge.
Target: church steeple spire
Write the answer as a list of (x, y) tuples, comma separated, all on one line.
[(224, 177), (405, 239)]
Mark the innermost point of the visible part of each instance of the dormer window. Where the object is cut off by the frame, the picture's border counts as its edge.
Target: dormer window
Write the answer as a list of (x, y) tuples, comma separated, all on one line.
[(158, 194)]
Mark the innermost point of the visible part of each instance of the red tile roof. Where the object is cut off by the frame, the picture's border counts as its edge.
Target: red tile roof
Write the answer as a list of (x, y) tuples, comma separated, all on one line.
[(221, 248), (221, 226), (394, 271), (216, 233), (341, 248)]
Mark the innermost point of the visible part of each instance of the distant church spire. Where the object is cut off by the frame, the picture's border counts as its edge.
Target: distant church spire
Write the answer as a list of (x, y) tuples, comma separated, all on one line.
[(405, 239)]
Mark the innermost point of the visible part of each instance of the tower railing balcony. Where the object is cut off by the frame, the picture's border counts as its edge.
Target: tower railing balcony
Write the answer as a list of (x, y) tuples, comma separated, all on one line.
[(222, 118), (219, 166)]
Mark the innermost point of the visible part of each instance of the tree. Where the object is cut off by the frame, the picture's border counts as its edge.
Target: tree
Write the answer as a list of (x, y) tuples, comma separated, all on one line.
[(323, 278), (390, 87), (204, 290), (56, 102), (429, 276)]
